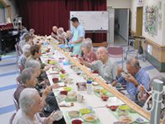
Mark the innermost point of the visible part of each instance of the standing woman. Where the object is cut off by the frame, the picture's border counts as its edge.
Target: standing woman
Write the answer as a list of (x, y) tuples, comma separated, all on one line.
[(78, 34)]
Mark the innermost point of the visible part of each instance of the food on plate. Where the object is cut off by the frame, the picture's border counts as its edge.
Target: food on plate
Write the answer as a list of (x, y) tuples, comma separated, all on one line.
[(85, 111), (64, 92), (53, 70), (126, 119), (55, 80), (71, 96), (103, 91), (104, 97), (61, 97), (95, 71), (48, 50), (122, 113), (74, 114), (62, 75), (124, 107), (132, 111), (68, 88), (51, 62), (77, 121), (97, 90), (89, 117), (62, 71), (67, 80), (95, 84), (66, 104), (113, 108)]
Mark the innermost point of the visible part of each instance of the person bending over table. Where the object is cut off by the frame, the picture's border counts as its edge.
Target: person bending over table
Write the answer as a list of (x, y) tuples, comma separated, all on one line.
[(32, 33), (78, 34), (28, 80), (30, 106), (26, 39), (22, 59), (106, 68), (87, 48), (61, 35), (41, 82), (54, 32), (35, 55), (134, 79)]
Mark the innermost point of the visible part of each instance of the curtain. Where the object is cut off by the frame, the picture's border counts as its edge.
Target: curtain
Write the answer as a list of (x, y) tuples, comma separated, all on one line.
[(43, 14)]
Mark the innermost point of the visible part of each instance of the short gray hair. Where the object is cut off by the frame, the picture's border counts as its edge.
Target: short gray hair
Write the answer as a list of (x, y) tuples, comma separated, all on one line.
[(32, 64), (26, 99), (26, 75), (26, 49), (87, 44), (103, 49), (133, 62)]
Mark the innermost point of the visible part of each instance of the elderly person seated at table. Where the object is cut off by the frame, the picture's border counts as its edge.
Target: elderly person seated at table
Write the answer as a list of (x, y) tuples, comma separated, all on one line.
[(61, 35), (30, 106), (28, 80), (35, 52), (88, 54), (22, 59), (41, 81), (106, 68), (54, 32), (31, 32), (68, 35), (26, 39), (134, 78), (35, 55)]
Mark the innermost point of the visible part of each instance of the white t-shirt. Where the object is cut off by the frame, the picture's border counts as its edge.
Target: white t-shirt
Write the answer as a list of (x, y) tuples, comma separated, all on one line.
[(22, 118)]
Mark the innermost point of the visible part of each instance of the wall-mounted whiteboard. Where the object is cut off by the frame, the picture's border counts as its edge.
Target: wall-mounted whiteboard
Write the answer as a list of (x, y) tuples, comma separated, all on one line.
[(92, 20)]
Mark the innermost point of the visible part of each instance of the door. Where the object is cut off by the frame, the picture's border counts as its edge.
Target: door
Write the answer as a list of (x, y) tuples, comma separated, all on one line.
[(139, 24), (139, 21)]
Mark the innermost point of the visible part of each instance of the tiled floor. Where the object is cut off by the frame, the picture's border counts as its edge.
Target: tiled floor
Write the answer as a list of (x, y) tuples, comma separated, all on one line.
[(9, 72)]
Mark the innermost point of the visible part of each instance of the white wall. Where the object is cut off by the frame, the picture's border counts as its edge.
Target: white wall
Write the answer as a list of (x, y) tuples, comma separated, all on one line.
[(119, 3), (133, 15), (163, 32), (159, 38), (2, 15)]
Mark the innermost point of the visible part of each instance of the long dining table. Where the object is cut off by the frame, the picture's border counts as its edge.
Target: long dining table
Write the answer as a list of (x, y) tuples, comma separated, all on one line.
[(63, 59)]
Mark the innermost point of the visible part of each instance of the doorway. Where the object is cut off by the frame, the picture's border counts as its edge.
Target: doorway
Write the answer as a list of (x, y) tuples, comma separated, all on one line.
[(139, 24), (139, 21), (121, 27)]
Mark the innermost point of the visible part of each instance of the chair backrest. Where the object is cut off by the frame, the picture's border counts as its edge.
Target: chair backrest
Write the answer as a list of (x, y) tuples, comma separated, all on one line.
[(12, 118), (115, 51), (15, 103), (18, 49), (21, 68)]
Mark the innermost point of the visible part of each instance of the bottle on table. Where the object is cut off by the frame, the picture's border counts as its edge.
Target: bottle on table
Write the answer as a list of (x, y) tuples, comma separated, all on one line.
[(89, 87)]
